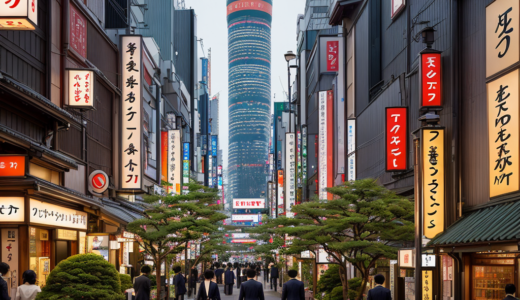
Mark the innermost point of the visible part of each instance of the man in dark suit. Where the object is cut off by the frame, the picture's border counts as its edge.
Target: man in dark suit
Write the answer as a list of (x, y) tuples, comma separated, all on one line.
[(218, 273), (293, 289), (208, 289), (4, 293), (142, 284), (379, 292), (510, 292), (251, 289), (229, 280), (237, 268), (274, 277), (179, 283), (192, 281)]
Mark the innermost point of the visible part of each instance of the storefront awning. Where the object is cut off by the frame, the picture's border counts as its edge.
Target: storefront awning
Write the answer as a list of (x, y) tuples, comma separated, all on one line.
[(491, 224), (115, 210)]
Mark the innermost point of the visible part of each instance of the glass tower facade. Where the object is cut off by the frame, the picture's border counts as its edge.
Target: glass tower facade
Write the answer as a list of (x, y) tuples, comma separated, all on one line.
[(249, 40)]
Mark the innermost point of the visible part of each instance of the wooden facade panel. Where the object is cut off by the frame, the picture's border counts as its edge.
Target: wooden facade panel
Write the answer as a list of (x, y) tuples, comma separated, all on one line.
[(70, 142), (20, 124), (102, 54)]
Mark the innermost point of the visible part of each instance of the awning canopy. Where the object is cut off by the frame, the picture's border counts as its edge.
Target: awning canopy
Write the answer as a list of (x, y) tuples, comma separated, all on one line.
[(500, 222)]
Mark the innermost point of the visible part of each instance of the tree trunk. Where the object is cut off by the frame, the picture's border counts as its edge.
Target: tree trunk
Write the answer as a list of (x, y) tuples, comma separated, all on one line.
[(364, 281), (344, 280), (158, 276)]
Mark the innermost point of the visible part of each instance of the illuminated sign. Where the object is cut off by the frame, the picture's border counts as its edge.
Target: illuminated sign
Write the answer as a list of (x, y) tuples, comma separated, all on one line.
[(98, 182), (257, 203), (12, 209), (186, 163), (428, 261), (351, 149), (304, 155), (243, 241), (219, 170), (396, 138), (49, 214), (397, 7), (12, 166), (406, 258), (290, 173), (433, 181), (325, 147), (174, 160), (427, 285), (18, 14), (132, 155), (214, 145), (323, 257), (280, 193), (430, 79), (332, 56), (502, 35), (164, 155), (240, 235), (241, 5), (81, 88), (220, 183), (253, 218)]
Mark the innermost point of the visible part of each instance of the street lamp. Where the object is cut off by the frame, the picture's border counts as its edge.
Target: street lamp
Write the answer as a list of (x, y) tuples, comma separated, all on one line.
[(288, 57)]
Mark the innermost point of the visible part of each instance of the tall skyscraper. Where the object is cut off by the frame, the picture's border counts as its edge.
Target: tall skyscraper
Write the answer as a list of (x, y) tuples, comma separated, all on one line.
[(249, 38)]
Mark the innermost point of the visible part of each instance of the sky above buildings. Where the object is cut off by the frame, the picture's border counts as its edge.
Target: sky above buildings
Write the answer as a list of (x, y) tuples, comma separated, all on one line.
[(212, 29)]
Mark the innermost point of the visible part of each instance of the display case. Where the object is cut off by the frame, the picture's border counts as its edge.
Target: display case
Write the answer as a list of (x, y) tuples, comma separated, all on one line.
[(490, 274)]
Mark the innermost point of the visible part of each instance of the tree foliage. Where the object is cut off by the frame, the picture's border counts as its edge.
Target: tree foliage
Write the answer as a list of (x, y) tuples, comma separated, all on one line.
[(83, 276), (172, 221)]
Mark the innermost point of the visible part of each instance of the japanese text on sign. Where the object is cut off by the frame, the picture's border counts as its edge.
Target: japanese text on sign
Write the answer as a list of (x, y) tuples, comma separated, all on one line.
[(396, 142), (12, 166), (332, 56), (290, 174), (174, 160), (431, 79), (50, 214), (249, 203), (81, 89)]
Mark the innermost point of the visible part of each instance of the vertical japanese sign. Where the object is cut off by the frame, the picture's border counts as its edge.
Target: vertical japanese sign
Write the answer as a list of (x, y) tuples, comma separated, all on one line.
[(174, 160), (164, 155), (332, 56), (273, 199), (351, 149), (10, 250), (325, 143), (397, 7), (304, 156), (502, 35), (78, 32), (299, 159), (81, 88), (18, 14), (433, 181), (427, 285), (396, 138), (132, 154), (290, 173), (280, 193), (204, 70), (204, 145), (214, 145), (431, 79), (186, 163), (503, 125)]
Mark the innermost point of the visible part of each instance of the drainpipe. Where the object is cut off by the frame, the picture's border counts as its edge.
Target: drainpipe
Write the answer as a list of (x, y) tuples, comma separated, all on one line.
[(458, 276)]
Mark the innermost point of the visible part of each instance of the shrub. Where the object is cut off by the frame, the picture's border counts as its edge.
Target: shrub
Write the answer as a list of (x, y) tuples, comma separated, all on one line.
[(83, 276), (353, 287), (126, 282)]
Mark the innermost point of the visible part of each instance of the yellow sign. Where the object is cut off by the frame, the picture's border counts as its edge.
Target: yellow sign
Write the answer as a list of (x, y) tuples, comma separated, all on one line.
[(433, 181), (503, 124), (427, 285), (502, 35)]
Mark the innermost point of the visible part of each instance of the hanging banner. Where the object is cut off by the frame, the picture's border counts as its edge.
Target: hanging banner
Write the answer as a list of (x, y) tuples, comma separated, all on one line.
[(304, 156), (174, 160), (214, 145), (186, 163), (290, 173), (503, 125), (18, 15), (430, 78), (427, 285), (81, 88), (433, 181), (325, 147), (502, 35), (396, 120), (332, 56), (78, 32), (351, 149), (257, 203), (280, 193), (133, 153), (10, 250)]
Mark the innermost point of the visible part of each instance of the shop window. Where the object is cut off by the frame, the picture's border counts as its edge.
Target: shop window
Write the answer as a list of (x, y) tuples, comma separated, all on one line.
[(104, 245), (447, 277), (490, 275), (40, 254), (44, 173)]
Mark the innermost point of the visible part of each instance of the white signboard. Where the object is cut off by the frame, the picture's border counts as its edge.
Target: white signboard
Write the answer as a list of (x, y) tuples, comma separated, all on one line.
[(18, 14), (256, 203), (428, 261), (323, 257), (322, 146), (290, 173), (81, 88), (53, 215), (245, 218), (132, 156), (175, 160), (10, 238), (240, 235), (305, 254), (406, 258), (351, 141), (12, 209)]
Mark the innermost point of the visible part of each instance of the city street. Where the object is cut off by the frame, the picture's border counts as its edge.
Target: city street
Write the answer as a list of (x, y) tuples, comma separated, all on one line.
[(268, 294)]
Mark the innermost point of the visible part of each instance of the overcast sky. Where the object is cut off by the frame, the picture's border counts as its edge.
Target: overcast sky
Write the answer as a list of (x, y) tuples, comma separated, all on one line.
[(212, 29)]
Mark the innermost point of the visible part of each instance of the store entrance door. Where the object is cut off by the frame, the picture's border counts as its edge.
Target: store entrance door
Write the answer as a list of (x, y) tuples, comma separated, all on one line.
[(65, 249)]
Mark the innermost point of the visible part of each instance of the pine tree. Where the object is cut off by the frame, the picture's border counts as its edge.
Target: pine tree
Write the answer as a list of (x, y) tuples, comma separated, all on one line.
[(83, 276), (173, 221)]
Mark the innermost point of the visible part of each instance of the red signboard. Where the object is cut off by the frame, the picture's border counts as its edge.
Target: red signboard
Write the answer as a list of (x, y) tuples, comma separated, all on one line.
[(431, 79), (12, 166), (249, 5), (396, 138), (164, 155), (78, 32), (332, 56)]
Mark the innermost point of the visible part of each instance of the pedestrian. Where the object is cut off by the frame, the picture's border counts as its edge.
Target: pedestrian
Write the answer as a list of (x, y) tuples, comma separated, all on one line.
[(510, 292), (4, 293), (229, 280), (28, 290), (251, 289), (274, 277), (239, 274), (179, 283), (258, 271), (208, 289), (243, 278), (266, 273), (218, 273), (379, 292), (192, 281), (293, 289), (142, 284)]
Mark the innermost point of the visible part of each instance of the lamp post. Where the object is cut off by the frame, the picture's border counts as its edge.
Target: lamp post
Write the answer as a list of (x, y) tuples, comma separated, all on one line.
[(288, 57)]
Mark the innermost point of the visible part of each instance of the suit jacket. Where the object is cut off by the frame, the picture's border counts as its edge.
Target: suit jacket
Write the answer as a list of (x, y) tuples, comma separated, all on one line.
[(510, 298), (379, 293), (293, 290), (251, 290), (229, 277), (213, 294), (239, 275), (219, 272), (142, 286), (274, 272), (179, 281)]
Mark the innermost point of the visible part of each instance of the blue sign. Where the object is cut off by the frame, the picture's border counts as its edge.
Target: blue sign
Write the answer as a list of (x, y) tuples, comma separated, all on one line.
[(186, 151), (204, 70), (214, 147), (204, 144)]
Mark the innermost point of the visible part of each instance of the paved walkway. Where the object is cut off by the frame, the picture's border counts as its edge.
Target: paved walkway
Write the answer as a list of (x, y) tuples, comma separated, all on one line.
[(268, 293)]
